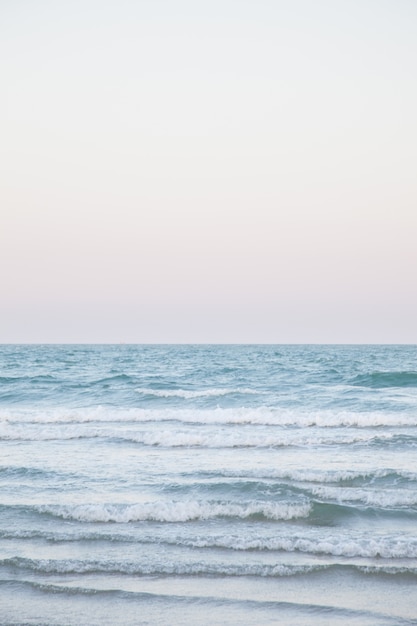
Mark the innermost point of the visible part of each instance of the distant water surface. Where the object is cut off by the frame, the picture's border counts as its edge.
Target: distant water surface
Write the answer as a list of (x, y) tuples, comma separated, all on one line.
[(208, 485)]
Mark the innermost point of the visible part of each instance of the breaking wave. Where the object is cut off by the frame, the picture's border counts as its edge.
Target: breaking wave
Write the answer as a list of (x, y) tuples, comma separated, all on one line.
[(241, 415), (172, 511)]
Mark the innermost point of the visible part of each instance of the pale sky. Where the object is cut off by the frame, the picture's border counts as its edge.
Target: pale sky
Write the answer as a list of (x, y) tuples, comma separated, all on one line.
[(208, 171)]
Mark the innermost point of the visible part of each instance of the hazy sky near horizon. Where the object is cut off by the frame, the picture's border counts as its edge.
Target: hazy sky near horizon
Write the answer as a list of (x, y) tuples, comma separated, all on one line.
[(208, 171)]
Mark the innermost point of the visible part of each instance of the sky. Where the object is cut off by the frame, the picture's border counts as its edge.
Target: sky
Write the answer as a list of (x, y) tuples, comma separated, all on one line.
[(208, 171)]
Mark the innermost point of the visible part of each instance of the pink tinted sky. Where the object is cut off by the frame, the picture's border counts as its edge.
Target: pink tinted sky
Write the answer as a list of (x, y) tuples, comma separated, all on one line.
[(234, 171)]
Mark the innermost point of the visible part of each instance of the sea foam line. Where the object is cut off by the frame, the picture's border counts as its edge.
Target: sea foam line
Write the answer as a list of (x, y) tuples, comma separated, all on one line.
[(190, 436), (315, 476), (262, 415), (174, 511), (191, 568), (324, 542), (383, 498), (397, 547)]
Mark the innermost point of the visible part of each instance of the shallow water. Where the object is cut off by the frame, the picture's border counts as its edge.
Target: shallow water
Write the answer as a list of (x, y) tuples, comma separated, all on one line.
[(208, 485)]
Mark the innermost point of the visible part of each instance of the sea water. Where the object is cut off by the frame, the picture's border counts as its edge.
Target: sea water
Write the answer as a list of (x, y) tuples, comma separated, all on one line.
[(250, 484)]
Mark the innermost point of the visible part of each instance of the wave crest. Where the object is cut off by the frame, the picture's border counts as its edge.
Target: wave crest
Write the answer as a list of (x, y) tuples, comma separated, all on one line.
[(381, 380), (174, 511), (189, 393)]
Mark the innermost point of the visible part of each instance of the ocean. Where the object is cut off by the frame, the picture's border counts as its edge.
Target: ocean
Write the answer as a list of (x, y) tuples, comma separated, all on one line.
[(208, 484)]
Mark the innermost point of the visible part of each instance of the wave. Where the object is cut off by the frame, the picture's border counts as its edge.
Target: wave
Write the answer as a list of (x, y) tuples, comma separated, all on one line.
[(39, 378), (384, 499), (116, 378), (12, 471), (176, 511), (189, 393), (322, 541), (356, 545), (241, 439), (264, 415), (255, 439), (222, 609), (392, 547), (378, 498), (193, 568), (65, 432), (317, 505), (379, 492), (342, 476), (193, 437), (72, 590), (73, 566), (354, 484), (381, 380)]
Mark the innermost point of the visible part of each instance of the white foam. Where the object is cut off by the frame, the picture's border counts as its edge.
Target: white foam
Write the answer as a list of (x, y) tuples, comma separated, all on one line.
[(261, 415), (399, 547), (167, 567), (323, 541), (317, 476), (171, 511), (48, 432), (149, 567), (228, 437), (384, 498), (243, 439)]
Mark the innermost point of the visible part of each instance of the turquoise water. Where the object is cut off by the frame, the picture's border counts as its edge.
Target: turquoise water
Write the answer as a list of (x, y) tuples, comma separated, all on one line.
[(208, 485)]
